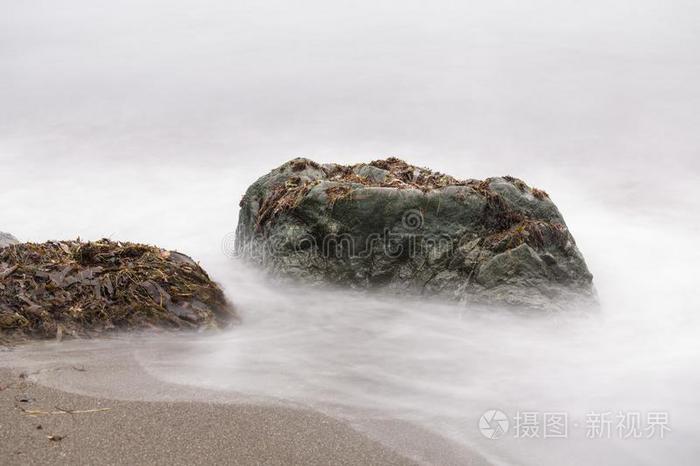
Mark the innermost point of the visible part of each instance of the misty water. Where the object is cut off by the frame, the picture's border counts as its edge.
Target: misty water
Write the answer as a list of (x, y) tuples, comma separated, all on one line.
[(435, 365), (146, 122)]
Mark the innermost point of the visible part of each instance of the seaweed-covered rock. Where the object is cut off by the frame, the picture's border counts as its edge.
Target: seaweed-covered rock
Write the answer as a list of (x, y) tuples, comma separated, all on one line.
[(394, 226), (7, 239), (76, 288)]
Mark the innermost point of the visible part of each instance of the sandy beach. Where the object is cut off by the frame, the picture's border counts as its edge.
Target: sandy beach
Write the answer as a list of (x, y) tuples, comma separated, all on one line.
[(52, 412), (39, 425)]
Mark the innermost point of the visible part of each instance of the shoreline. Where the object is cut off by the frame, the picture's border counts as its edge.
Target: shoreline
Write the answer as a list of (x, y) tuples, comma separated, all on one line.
[(99, 405), (41, 425)]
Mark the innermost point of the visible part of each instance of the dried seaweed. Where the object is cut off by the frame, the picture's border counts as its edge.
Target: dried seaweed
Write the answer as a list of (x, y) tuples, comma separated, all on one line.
[(300, 164), (517, 182), (415, 177), (399, 175), (337, 193), (87, 288), (497, 215), (535, 233), (539, 194), (283, 198)]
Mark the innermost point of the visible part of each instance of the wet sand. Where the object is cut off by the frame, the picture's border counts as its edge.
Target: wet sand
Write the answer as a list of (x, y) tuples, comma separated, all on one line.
[(88, 430), (90, 402)]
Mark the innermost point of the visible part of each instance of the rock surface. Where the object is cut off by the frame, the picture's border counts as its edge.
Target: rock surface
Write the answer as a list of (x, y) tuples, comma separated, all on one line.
[(72, 288), (397, 227), (7, 239)]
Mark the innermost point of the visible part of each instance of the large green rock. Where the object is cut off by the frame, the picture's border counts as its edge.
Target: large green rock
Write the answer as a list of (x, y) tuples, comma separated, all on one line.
[(393, 226)]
